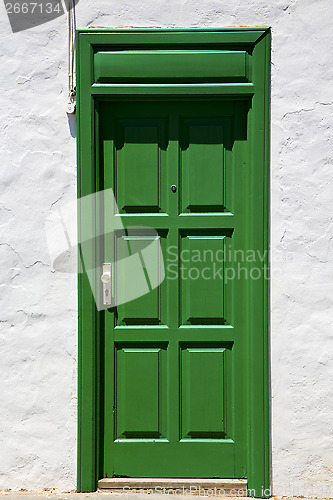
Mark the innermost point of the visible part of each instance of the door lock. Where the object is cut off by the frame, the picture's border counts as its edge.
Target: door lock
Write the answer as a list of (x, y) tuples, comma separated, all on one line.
[(106, 280)]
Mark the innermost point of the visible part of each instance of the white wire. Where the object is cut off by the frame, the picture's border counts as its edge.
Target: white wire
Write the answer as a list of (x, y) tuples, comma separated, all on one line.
[(71, 48)]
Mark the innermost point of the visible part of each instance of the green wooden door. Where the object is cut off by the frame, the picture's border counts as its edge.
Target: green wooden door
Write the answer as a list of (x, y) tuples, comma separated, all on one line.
[(174, 383)]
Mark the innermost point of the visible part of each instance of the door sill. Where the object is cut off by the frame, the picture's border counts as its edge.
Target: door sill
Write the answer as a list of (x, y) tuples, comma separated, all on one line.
[(224, 487)]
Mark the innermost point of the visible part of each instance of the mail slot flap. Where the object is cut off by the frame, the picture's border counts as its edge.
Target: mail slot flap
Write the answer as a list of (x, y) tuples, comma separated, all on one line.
[(169, 65)]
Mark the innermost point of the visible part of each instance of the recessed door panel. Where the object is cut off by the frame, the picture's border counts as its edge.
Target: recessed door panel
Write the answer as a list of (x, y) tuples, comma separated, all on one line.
[(140, 393), (203, 393), (202, 165), (141, 279), (202, 279), (139, 161)]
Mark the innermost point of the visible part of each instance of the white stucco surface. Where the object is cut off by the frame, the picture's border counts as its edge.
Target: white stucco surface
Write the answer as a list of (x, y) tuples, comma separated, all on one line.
[(38, 313)]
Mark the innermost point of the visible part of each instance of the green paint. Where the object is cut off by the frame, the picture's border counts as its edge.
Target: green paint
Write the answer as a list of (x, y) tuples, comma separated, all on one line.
[(168, 65), (175, 383)]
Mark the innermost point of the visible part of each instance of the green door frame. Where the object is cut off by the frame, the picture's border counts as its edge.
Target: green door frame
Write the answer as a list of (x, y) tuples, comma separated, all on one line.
[(256, 42)]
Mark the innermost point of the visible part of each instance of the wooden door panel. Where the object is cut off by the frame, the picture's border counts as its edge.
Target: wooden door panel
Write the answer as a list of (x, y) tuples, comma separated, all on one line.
[(150, 308), (202, 166), (140, 158), (173, 458), (203, 393), (202, 279), (140, 392)]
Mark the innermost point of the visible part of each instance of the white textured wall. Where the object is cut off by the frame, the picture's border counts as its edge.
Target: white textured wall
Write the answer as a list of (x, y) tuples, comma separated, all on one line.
[(37, 170)]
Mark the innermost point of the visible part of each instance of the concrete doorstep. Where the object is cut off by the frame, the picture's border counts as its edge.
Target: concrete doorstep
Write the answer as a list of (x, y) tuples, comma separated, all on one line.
[(201, 487)]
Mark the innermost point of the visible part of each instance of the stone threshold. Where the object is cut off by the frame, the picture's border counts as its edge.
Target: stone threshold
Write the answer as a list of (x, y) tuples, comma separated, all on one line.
[(211, 487)]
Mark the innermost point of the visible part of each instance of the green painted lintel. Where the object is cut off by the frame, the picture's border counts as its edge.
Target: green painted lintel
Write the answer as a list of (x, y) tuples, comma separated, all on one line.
[(104, 36)]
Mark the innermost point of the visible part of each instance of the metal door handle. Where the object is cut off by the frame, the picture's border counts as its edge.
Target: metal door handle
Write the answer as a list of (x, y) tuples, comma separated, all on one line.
[(106, 280)]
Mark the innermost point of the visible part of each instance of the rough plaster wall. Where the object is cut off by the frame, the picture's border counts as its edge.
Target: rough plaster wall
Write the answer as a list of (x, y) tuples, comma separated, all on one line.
[(38, 307)]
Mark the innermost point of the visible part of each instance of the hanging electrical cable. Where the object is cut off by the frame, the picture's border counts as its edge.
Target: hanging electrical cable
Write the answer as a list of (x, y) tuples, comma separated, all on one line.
[(71, 106)]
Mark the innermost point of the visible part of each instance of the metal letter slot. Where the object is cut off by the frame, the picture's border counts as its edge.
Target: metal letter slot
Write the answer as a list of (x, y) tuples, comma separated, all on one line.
[(106, 280)]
